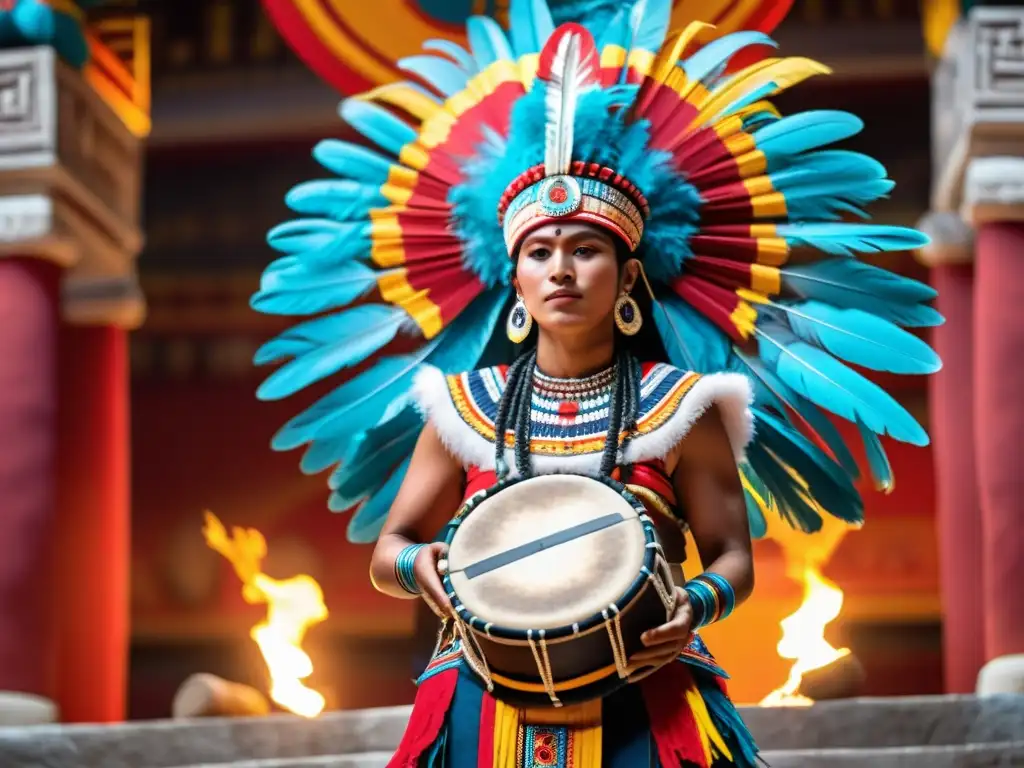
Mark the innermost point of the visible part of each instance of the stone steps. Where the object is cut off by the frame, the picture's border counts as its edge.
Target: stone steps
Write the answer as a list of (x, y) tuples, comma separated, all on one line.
[(1003, 755), (954, 731)]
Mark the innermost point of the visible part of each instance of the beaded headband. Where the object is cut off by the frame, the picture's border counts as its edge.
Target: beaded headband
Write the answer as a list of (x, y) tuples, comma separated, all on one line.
[(592, 194)]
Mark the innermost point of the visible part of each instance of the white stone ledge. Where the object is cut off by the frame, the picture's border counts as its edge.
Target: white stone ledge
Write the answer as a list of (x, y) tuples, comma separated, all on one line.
[(994, 190)]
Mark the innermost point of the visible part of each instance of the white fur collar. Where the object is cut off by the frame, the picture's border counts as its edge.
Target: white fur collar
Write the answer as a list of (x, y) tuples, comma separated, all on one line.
[(731, 392)]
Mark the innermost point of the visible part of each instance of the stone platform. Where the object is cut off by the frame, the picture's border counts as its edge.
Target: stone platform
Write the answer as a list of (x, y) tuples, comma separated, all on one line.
[(930, 732)]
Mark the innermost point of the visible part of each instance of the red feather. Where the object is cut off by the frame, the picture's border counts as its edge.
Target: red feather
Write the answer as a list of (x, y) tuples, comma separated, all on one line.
[(590, 61)]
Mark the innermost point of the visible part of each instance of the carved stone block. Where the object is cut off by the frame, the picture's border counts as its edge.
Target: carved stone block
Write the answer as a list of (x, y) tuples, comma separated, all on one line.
[(979, 98), (28, 116), (70, 182)]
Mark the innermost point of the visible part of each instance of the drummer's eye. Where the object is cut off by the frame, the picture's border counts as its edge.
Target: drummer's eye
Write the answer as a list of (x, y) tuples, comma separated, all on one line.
[(584, 251), (539, 253)]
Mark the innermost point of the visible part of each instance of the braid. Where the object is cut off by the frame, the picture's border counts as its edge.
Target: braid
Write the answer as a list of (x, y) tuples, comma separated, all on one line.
[(523, 416), (610, 458), (504, 413)]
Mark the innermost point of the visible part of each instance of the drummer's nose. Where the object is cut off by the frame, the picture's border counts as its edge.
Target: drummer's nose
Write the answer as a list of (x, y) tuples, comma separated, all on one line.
[(563, 269)]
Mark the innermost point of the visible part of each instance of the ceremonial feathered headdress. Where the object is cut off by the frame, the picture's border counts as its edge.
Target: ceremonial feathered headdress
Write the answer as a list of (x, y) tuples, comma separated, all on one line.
[(734, 211)]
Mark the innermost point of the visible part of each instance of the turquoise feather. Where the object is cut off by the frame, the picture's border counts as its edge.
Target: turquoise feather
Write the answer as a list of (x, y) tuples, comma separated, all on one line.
[(828, 383), (855, 285), (377, 124), (324, 249), (861, 338), (487, 41), (842, 239), (755, 95), (334, 445), (368, 455), (365, 525), (455, 52), (619, 31), (718, 53), (444, 76), (796, 134), (329, 330), (758, 524), (654, 21), (354, 406), (832, 164), (354, 484), (691, 341), (458, 347), (341, 199), (530, 25), (335, 342), (793, 505), (309, 294), (768, 387), (300, 235), (462, 344), (826, 200), (352, 161), (829, 483), (878, 461)]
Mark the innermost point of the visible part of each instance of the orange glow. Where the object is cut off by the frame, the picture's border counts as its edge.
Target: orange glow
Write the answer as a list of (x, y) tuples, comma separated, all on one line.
[(293, 606), (803, 633)]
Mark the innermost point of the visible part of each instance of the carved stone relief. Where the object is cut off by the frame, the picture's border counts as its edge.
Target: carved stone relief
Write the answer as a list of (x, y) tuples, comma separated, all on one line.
[(979, 98), (69, 183)]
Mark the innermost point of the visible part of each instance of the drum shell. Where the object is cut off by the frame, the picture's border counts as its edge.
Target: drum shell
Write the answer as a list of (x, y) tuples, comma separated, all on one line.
[(573, 659), (581, 656)]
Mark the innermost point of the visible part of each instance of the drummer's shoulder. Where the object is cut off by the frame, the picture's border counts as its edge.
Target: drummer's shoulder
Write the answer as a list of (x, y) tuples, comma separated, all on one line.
[(673, 400), (462, 408), (485, 385)]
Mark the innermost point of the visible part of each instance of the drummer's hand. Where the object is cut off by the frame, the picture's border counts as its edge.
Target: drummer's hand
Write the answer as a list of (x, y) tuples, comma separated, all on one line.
[(428, 579), (665, 643)]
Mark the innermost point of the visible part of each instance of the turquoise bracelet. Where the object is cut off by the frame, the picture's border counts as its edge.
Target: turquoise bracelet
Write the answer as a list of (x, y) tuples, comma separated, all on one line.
[(404, 568), (711, 597)]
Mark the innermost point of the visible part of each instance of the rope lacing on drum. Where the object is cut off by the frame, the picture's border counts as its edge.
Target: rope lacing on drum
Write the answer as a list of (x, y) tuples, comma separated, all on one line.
[(473, 654), (543, 662), (613, 623)]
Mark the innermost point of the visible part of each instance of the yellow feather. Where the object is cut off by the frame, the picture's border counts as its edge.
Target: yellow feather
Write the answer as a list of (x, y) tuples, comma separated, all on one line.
[(785, 73), (402, 96), (669, 55)]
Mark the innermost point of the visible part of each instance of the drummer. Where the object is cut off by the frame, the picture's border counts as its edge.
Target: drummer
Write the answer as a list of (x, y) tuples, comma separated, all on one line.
[(570, 276), (658, 239)]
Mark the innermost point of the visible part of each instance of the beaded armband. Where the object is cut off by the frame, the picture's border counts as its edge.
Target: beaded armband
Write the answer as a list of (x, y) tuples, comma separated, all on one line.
[(404, 568), (711, 597)]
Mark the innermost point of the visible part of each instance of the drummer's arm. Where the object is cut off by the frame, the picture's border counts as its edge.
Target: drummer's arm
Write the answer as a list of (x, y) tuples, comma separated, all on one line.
[(427, 500), (707, 483)]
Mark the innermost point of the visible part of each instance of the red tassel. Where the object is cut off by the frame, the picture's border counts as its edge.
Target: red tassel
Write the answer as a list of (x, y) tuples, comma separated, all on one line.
[(673, 725), (485, 753), (433, 698)]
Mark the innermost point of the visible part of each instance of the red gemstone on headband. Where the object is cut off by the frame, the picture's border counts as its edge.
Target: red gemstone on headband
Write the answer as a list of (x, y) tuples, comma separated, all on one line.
[(558, 194)]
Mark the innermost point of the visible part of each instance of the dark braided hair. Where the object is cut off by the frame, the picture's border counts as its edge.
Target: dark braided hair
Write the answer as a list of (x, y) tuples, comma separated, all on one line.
[(515, 410)]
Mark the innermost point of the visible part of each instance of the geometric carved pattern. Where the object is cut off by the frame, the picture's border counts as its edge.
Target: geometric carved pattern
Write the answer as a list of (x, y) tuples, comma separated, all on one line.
[(978, 109), (999, 75), (26, 105)]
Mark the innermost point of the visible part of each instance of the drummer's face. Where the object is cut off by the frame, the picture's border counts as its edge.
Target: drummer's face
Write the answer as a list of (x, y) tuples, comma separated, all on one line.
[(569, 277)]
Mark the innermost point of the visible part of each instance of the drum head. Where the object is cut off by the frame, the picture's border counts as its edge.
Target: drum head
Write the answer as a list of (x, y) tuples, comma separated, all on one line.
[(548, 551)]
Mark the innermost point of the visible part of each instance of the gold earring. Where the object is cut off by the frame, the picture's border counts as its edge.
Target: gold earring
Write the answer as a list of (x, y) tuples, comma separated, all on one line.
[(520, 322), (627, 315)]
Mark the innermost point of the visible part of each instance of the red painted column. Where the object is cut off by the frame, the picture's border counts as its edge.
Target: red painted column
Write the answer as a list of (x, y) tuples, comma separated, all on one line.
[(93, 544), (28, 412), (959, 507), (999, 430)]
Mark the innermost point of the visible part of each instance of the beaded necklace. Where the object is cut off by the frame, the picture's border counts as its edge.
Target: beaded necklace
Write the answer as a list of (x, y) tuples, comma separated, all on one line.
[(569, 402), (532, 397)]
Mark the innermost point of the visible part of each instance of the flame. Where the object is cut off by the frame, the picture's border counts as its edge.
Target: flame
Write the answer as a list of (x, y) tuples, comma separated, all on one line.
[(293, 606), (803, 632), (803, 637)]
